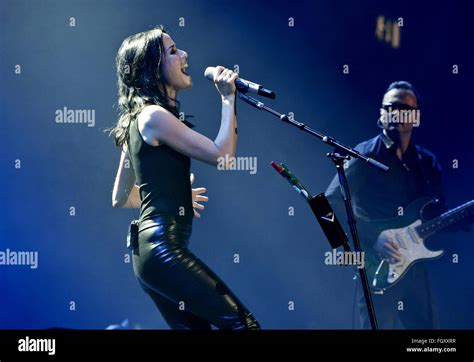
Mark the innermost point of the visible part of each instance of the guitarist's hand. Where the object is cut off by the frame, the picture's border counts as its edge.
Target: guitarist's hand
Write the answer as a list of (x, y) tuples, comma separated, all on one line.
[(387, 248)]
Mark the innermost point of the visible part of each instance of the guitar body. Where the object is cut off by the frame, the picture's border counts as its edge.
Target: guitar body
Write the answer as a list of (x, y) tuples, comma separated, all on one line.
[(380, 273)]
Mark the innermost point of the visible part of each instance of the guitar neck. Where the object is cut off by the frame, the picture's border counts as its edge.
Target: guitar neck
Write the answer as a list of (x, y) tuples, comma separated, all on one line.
[(449, 218)]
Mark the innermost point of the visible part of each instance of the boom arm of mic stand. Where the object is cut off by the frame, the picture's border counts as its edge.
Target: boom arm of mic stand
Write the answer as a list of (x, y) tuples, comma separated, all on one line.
[(326, 139)]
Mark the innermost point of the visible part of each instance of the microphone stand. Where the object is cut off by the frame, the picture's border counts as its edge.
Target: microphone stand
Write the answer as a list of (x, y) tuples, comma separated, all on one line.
[(338, 156)]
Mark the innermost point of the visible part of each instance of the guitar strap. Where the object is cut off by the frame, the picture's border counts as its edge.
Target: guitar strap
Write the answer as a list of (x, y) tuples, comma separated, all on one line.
[(427, 181), (440, 207)]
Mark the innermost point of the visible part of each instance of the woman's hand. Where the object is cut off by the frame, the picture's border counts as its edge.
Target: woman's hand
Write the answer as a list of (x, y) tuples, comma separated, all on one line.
[(224, 79), (198, 197)]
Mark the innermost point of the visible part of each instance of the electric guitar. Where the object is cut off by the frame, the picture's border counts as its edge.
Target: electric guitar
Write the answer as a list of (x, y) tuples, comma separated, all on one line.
[(409, 232)]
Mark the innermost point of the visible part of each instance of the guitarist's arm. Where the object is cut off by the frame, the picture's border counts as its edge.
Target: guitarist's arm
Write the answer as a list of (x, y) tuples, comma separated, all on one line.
[(381, 243), (355, 178), (370, 237), (355, 173)]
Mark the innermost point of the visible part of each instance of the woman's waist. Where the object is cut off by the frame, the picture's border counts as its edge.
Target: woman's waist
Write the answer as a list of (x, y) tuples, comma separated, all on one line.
[(182, 223), (161, 206)]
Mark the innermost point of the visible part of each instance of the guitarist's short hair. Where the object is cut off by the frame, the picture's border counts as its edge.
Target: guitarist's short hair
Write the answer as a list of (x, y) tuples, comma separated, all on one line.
[(402, 84)]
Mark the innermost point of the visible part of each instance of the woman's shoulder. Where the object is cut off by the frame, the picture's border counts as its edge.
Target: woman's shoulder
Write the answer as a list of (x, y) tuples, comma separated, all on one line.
[(152, 115), (154, 110), (149, 119)]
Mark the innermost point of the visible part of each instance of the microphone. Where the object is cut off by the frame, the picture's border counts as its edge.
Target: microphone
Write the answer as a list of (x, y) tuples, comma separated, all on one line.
[(243, 85)]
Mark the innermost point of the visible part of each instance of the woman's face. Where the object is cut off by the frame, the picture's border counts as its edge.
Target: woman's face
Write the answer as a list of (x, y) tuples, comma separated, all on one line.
[(175, 62)]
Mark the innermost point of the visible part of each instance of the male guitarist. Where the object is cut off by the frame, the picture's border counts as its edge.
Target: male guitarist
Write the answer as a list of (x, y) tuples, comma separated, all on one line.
[(414, 173)]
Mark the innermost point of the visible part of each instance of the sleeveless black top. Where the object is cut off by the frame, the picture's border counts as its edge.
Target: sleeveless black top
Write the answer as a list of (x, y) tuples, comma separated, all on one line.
[(162, 175)]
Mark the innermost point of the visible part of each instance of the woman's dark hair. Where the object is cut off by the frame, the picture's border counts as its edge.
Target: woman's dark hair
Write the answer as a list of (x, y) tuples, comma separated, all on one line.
[(402, 84), (140, 80)]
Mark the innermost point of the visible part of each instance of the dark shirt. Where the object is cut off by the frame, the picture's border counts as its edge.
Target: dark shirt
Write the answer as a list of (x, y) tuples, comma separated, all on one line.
[(379, 195), (162, 175)]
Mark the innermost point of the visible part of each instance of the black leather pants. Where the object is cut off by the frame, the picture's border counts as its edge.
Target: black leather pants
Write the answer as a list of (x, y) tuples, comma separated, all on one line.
[(188, 294)]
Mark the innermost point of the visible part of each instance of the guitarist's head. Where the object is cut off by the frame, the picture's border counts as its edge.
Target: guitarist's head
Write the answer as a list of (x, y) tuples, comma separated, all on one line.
[(400, 110)]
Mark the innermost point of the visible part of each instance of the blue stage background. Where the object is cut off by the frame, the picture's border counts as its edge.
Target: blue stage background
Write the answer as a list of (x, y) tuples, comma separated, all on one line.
[(83, 281)]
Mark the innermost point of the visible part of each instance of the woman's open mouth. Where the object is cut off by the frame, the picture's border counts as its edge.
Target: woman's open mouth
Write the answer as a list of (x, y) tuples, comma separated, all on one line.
[(183, 70)]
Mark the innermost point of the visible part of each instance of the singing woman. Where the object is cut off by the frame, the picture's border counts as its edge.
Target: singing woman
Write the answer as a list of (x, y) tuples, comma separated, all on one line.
[(151, 71)]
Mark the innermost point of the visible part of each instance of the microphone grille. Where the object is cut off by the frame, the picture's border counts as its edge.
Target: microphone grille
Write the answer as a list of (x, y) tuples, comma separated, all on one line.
[(209, 73)]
